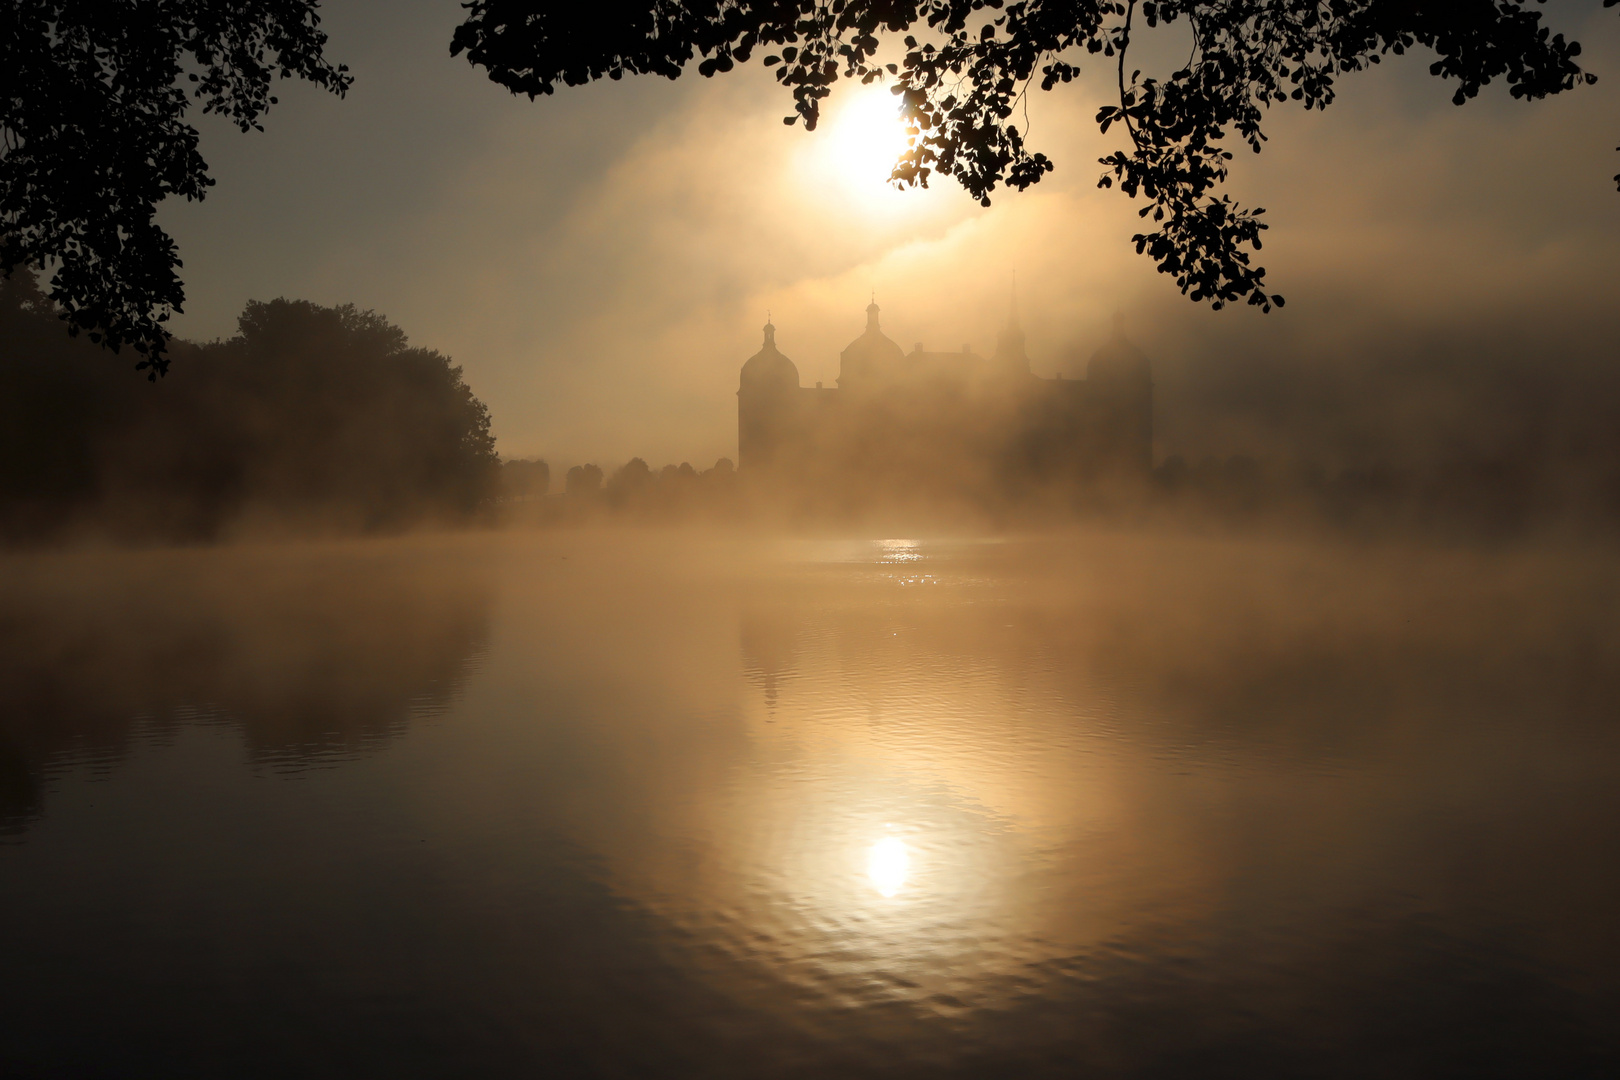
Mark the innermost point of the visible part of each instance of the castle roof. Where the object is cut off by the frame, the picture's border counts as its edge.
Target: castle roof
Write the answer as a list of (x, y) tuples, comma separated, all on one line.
[(768, 369), (871, 354)]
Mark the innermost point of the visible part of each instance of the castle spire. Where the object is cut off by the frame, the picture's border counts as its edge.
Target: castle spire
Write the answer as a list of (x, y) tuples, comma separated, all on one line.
[(1010, 356)]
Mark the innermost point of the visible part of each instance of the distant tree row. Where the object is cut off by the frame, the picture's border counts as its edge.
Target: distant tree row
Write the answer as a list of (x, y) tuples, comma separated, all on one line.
[(309, 418), (525, 479), (633, 490), (635, 478), (1493, 496), (1476, 495)]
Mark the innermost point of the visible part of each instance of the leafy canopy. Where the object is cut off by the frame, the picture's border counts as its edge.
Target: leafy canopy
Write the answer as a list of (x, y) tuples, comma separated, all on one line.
[(94, 95), (966, 65), (93, 99)]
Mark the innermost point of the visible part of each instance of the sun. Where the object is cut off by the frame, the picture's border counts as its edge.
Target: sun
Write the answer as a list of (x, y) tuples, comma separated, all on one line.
[(866, 137)]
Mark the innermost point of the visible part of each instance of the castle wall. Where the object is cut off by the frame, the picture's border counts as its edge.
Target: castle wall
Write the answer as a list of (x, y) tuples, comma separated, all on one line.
[(923, 420)]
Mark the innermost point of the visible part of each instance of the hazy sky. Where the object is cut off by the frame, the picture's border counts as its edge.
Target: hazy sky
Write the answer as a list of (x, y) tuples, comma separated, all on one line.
[(600, 262)]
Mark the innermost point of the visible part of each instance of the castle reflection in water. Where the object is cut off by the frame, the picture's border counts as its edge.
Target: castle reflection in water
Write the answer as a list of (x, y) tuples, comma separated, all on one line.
[(946, 420)]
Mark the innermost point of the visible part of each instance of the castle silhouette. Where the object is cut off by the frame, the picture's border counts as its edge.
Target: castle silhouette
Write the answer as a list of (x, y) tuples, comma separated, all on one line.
[(947, 419)]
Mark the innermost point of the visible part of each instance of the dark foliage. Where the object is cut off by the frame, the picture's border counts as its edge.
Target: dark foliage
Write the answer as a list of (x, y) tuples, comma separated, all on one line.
[(93, 99), (522, 479), (637, 492), (310, 417), (583, 481), (628, 481), (962, 82)]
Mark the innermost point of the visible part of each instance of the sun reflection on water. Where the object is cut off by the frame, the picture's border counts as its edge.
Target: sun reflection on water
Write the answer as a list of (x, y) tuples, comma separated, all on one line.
[(898, 551), (886, 865)]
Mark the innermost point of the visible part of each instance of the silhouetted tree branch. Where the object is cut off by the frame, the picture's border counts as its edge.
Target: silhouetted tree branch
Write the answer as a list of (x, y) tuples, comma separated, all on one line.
[(961, 81), (93, 98)]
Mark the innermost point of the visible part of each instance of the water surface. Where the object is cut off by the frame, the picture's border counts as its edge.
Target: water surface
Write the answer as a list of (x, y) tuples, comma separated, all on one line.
[(638, 804)]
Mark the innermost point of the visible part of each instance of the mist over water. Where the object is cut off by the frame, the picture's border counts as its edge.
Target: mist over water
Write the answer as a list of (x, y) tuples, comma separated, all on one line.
[(671, 802)]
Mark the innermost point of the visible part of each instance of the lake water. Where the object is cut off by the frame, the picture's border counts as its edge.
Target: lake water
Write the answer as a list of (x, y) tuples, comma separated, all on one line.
[(642, 804)]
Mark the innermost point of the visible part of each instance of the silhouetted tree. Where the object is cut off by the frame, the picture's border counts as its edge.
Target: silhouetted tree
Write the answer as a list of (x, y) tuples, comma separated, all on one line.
[(720, 481), (54, 400), (960, 82), (523, 479), (339, 410), (628, 481), (93, 99), (308, 414), (583, 481)]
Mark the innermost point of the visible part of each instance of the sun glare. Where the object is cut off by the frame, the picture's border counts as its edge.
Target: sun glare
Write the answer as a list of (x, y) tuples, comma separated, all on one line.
[(887, 864), (867, 137)]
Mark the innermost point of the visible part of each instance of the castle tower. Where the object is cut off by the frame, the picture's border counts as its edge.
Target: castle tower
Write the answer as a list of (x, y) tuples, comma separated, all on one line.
[(1010, 358), (870, 357), (767, 404), (1122, 382)]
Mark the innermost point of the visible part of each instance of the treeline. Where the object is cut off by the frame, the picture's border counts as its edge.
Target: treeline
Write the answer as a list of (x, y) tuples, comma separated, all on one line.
[(308, 419), (1477, 496), (634, 490), (1472, 497)]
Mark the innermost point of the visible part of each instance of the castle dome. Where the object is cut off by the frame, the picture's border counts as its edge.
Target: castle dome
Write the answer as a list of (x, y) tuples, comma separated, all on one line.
[(768, 369), (871, 354)]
